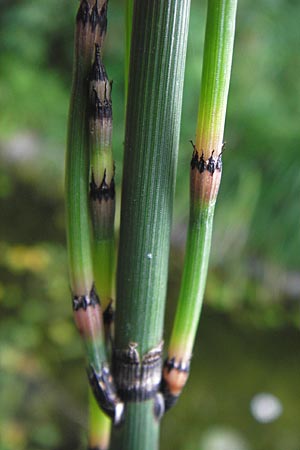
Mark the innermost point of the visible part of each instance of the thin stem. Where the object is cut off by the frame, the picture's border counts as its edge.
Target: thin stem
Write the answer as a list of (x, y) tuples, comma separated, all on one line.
[(157, 63), (99, 426), (218, 51), (102, 200), (77, 164), (102, 185), (90, 29), (128, 29), (206, 167)]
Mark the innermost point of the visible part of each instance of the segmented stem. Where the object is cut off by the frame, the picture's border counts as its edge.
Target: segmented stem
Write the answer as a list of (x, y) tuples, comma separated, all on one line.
[(158, 50), (90, 31), (206, 168), (102, 186)]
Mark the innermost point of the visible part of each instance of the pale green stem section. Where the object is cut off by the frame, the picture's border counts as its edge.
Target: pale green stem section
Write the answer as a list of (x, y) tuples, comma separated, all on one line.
[(99, 426), (77, 173), (104, 258), (103, 210), (77, 205), (218, 51), (193, 281), (102, 213)]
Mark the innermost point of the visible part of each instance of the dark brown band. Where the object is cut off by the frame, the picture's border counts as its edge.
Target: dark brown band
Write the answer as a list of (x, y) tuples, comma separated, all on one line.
[(105, 393), (83, 301), (93, 16), (137, 378), (103, 192)]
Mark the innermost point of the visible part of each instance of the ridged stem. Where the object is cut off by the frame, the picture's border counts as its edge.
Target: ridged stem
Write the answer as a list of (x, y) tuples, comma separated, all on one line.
[(77, 165), (102, 185), (90, 28), (128, 30), (206, 167), (158, 52)]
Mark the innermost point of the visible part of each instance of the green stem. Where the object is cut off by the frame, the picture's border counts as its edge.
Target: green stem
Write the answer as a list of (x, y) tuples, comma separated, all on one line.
[(87, 311), (77, 166), (206, 168), (157, 63), (102, 199), (139, 430), (193, 280), (217, 62), (128, 28), (99, 426), (102, 186)]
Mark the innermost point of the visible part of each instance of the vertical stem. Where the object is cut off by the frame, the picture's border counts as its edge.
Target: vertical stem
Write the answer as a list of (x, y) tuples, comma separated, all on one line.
[(90, 30), (77, 163), (128, 30), (102, 185), (218, 51), (206, 168), (158, 52), (99, 426)]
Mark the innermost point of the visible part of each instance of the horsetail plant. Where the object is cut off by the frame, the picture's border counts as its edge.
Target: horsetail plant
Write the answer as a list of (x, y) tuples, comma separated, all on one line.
[(157, 61), (205, 177), (89, 34), (102, 198), (139, 388), (102, 185)]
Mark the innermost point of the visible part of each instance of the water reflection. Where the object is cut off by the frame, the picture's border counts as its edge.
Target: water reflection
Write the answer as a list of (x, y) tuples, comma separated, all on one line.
[(222, 438), (265, 407)]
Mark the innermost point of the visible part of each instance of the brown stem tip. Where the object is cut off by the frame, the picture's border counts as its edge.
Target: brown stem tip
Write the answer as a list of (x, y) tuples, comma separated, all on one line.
[(175, 375), (93, 15)]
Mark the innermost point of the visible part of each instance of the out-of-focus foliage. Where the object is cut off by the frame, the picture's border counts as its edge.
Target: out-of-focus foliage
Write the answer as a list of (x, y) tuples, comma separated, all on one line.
[(254, 276)]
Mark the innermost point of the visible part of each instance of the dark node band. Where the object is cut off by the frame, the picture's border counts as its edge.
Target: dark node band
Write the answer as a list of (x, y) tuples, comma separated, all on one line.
[(159, 406), (211, 165), (105, 393), (98, 72), (109, 314), (83, 12), (219, 162), (169, 399), (104, 191), (101, 108), (136, 378), (99, 18), (181, 366), (93, 17), (83, 301)]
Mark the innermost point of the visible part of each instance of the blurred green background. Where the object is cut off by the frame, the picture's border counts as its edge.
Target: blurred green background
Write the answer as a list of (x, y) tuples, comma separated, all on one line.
[(248, 340)]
